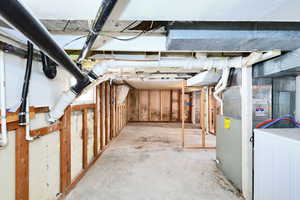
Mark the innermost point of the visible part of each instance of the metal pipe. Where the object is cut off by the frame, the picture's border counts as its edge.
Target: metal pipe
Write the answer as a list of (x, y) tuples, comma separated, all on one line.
[(22, 20), (102, 15), (4, 134), (22, 114)]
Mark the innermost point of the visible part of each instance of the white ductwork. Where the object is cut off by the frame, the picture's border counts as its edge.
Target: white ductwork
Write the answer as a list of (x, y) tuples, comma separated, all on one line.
[(201, 64), (4, 134), (221, 86), (205, 78), (68, 98)]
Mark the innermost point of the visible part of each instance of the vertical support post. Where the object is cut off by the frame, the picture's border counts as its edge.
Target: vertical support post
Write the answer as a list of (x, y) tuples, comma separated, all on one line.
[(149, 106), (65, 150), (106, 113), (202, 116), (171, 105), (96, 121), (183, 83), (84, 140), (247, 132), (179, 105), (161, 105), (101, 117), (111, 106), (22, 165)]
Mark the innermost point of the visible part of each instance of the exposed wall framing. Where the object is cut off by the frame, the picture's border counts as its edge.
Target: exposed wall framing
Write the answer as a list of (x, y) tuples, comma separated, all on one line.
[(158, 106), (108, 120)]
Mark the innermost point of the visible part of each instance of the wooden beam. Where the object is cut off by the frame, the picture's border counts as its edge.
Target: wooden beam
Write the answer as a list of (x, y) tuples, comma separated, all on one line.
[(101, 117), (22, 165), (82, 107), (84, 140), (106, 113), (65, 150), (149, 106), (46, 130), (161, 106), (179, 105), (111, 107), (96, 120), (171, 105), (183, 83)]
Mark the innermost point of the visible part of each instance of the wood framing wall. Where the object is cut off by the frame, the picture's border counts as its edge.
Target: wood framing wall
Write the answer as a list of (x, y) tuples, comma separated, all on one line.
[(158, 106), (70, 146)]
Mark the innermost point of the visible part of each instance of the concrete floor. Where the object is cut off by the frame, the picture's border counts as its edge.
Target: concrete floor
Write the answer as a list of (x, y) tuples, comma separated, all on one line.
[(147, 163)]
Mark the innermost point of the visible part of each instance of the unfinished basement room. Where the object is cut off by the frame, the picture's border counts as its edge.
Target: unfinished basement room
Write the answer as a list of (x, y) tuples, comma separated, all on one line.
[(149, 100)]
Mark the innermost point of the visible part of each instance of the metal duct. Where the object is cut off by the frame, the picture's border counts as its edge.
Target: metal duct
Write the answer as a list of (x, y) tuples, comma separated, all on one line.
[(102, 15), (22, 20)]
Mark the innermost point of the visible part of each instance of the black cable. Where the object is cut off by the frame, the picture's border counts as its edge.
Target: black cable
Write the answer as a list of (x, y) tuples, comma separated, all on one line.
[(22, 114)]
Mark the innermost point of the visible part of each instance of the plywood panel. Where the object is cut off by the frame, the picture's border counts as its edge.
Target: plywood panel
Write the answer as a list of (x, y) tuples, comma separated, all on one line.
[(133, 108), (187, 107), (154, 105), (175, 105), (143, 105), (44, 167), (166, 105), (7, 172), (76, 144), (90, 129)]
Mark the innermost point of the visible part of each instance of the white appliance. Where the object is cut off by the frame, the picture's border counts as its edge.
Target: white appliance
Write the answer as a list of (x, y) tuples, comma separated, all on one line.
[(277, 164)]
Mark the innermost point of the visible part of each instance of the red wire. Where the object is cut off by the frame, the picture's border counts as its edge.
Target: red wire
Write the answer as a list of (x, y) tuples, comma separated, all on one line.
[(268, 121)]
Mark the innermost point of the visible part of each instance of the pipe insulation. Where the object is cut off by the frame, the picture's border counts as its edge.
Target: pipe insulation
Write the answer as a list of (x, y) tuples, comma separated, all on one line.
[(19, 17), (104, 11), (297, 114), (188, 64), (4, 134), (220, 87)]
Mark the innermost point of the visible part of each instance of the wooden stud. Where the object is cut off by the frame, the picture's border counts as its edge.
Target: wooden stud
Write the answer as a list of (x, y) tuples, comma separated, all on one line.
[(65, 150), (182, 112), (149, 106), (84, 140), (106, 113), (179, 105), (22, 165), (101, 117), (96, 120), (111, 116), (82, 107), (161, 105), (171, 105), (46, 130)]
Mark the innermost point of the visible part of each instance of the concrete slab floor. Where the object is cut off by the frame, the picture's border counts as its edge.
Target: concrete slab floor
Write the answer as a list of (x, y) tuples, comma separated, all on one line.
[(147, 163)]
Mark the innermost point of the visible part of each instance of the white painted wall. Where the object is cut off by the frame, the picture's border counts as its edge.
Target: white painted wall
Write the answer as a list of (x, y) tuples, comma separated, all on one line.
[(7, 169)]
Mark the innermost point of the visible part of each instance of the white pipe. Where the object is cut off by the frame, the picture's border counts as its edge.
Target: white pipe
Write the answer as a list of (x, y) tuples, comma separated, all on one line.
[(4, 134), (27, 136), (297, 113), (221, 86), (188, 64), (67, 99)]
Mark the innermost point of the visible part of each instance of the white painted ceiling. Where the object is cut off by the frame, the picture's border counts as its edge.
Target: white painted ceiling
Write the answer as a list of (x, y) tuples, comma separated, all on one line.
[(171, 10)]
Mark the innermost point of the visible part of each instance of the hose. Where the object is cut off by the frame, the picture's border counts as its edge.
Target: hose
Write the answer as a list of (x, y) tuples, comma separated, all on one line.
[(22, 114), (269, 123)]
